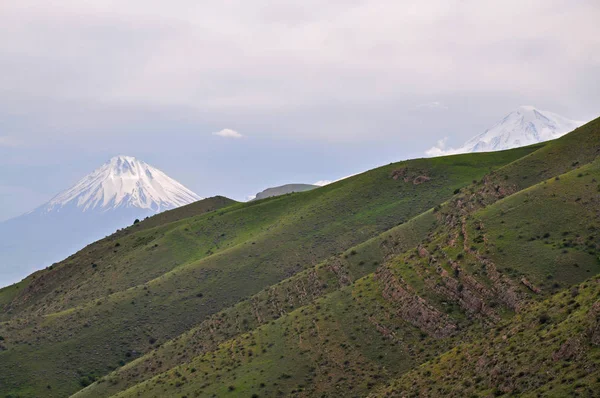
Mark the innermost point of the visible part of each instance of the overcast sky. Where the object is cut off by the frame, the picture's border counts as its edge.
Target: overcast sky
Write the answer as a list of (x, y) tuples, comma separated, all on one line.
[(231, 97)]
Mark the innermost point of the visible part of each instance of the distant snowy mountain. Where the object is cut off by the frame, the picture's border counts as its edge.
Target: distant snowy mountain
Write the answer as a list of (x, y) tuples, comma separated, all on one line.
[(524, 126), (109, 198), (282, 190), (123, 181)]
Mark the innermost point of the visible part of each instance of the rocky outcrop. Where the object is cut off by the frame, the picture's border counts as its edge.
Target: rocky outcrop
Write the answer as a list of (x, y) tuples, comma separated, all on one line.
[(503, 287), (385, 331), (594, 329), (530, 285), (337, 267), (417, 177), (413, 308), (421, 179), (569, 350)]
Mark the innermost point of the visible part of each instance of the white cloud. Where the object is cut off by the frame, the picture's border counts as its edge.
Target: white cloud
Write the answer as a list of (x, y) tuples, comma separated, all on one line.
[(202, 53), (228, 133), (322, 183), (253, 61), (440, 149)]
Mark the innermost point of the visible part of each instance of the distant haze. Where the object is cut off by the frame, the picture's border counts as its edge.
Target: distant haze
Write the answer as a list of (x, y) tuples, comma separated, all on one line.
[(230, 97)]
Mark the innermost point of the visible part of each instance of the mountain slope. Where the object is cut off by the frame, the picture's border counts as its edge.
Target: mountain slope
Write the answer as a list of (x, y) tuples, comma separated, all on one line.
[(269, 304), (201, 265), (524, 126), (332, 292), (351, 338), (123, 181), (551, 349), (466, 275), (110, 197)]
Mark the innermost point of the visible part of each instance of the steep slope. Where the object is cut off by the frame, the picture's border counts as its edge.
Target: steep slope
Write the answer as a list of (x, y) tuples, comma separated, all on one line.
[(463, 276), (524, 126), (283, 190), (73, 280), (327, 292), (268, 305), (123, 181), (110, 197), (78, 321), (551, 349)]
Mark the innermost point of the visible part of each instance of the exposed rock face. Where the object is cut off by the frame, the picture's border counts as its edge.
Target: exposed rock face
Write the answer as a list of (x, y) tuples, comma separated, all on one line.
[(385, 331), (503, 287), (413, 308), (490, 191), (421, 179), (416, 176), (470, 296), (571, 349), (530, 285), (340, 271), (594, 330)]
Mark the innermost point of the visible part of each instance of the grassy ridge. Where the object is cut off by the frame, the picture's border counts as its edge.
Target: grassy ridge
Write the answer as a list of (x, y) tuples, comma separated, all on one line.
[(209, 262), (269, 304), (328, 347), (328, 292), (128, 257), (385, 306), (549, 232), (551, 349)]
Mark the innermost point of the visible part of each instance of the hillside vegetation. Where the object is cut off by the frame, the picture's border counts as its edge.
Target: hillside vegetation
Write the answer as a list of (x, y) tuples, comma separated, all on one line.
[(126, 294), (551, 349), (377, 284)]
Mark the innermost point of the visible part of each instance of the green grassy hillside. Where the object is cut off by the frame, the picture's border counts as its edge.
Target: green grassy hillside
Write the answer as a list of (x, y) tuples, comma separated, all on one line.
[(114, 301), (551, 349), (459, 281), (268, 305), (343, 290), (107, 262)]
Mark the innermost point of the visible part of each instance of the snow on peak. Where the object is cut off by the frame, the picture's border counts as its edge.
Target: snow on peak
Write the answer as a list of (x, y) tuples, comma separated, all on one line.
[(124, 181), (526, 125)]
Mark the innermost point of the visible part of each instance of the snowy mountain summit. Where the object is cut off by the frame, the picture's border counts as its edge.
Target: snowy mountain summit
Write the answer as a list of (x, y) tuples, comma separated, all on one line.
[(524, 126), (123, 182), (111, 197)]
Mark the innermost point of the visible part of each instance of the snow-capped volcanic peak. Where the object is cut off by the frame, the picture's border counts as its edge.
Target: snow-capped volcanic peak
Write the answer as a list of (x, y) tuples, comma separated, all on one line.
[(524, 126), (124, 181)]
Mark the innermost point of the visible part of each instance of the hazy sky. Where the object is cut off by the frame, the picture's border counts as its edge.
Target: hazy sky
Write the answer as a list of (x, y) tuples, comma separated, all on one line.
[(231, 97)]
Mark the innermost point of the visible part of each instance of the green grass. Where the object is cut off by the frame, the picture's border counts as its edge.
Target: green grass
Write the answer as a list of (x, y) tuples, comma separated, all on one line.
[(163, 280), (127, 258), (269, 304), (323, 348), (368, 315), (334, 291), (550, 232), (550, 349)]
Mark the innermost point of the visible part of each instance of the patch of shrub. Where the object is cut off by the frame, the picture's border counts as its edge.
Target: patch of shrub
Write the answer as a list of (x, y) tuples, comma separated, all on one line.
[(544, 318)]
